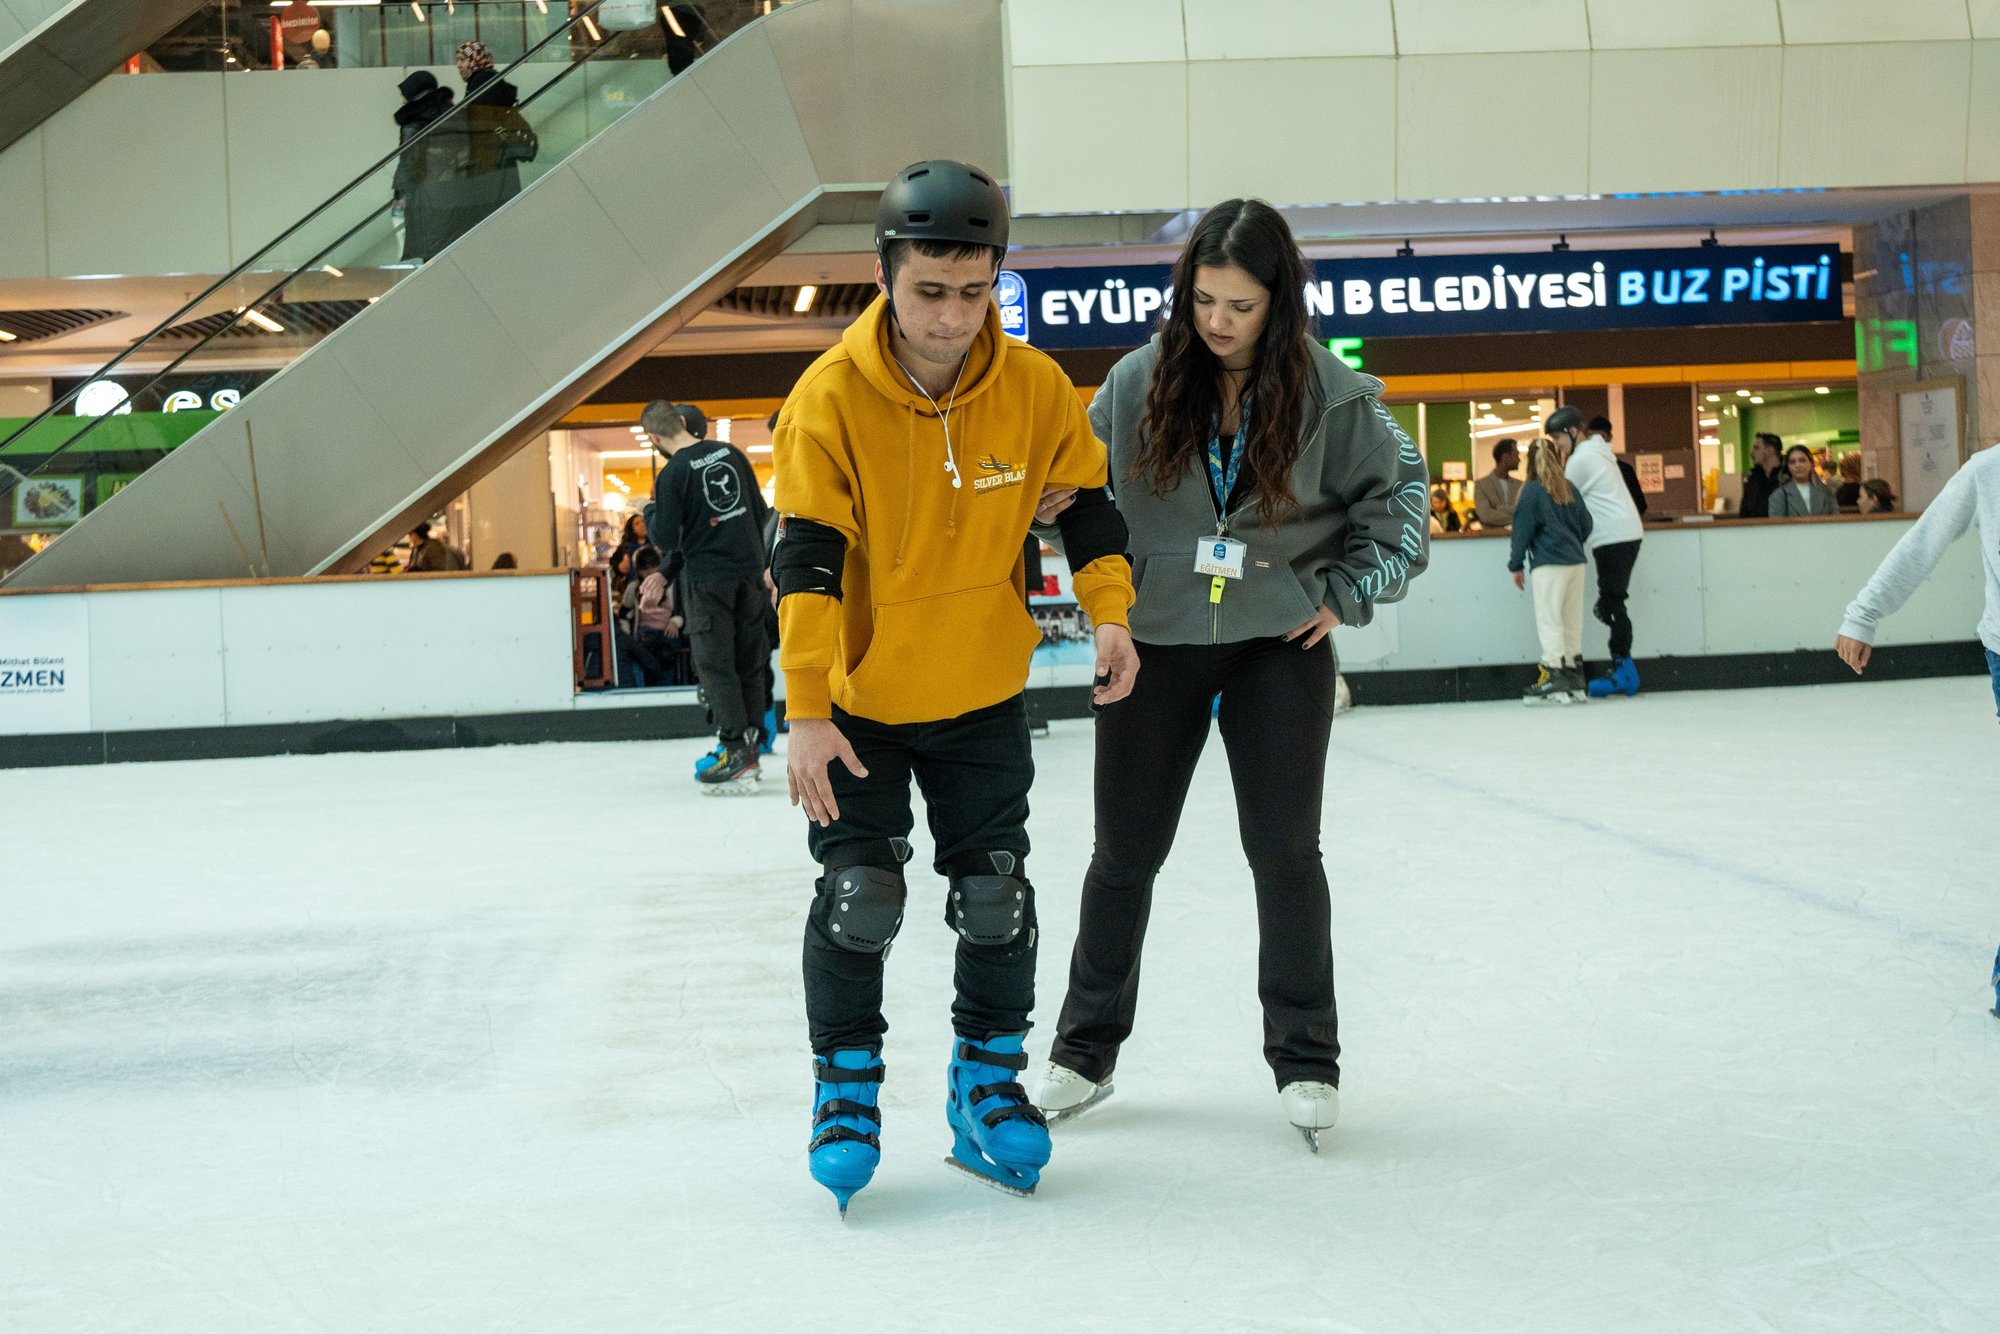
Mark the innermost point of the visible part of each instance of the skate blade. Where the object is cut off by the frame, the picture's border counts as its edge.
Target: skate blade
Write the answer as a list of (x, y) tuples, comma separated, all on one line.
[(1310, 1136), (740, 787), (1071, 1113), (984, 1179)]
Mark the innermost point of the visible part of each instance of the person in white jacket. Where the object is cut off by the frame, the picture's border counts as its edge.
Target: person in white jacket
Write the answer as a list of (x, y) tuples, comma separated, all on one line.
[(1971, 497), (1615, 534)]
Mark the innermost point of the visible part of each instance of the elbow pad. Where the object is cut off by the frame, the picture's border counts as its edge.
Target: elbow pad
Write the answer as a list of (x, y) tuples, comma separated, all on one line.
[(1092, 528), (809, 558)]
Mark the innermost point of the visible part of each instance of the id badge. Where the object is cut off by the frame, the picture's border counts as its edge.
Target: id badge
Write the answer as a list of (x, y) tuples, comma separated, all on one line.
[(1219, 556)]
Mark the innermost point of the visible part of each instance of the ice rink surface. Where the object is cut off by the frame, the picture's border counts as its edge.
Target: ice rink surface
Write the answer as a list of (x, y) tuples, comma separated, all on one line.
[(1666, 1014)]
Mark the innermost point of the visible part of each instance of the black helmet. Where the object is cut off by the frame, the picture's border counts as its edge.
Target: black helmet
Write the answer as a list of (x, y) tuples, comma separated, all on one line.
[(1565, 418), (942, 200)]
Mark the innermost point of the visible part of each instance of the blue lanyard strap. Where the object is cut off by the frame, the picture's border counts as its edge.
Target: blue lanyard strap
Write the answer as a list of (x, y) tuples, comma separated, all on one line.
[(1224, 483)]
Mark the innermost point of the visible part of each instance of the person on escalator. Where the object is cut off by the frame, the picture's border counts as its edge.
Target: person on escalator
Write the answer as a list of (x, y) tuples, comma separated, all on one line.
[(497, 138), (423, 167)]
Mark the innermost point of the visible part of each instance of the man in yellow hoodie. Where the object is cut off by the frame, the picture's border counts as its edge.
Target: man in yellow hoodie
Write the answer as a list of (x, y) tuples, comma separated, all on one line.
[(910, 460)]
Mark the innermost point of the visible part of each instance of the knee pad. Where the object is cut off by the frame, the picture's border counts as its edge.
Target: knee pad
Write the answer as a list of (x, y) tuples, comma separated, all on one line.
[(863, 907), (990, 909)]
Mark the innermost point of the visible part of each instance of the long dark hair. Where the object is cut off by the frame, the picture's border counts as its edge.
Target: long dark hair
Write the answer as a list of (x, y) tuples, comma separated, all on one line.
[(1185, 401)]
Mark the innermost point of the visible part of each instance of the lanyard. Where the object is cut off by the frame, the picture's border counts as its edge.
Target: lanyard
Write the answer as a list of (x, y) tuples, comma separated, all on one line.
[(1224, 483)]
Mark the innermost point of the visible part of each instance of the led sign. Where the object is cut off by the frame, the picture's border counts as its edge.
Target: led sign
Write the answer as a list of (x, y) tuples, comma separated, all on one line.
[(1461, 294)]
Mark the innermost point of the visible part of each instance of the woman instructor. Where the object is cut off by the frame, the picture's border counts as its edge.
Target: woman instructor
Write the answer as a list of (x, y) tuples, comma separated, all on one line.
[(1270, 497)]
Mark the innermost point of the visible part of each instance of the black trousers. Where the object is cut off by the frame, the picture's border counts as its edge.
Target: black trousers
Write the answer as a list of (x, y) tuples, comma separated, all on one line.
[(732, 656), (1614, 580), (974, 772), (1276, 715)]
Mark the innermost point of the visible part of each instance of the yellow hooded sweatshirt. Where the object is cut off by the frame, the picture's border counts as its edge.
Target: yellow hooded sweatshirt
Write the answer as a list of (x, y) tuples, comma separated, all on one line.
[(932, 622)]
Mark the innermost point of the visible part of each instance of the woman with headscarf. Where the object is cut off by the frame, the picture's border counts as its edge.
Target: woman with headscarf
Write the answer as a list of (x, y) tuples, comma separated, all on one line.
[(497, 139)]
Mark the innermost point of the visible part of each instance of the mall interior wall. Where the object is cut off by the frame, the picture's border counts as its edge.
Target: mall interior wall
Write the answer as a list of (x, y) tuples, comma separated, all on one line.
[(1457, 99)]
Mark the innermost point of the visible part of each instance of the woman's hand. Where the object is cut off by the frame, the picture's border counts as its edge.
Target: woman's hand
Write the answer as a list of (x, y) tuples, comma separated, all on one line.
[(1520, 579), (1318, 628), (1055, 499)]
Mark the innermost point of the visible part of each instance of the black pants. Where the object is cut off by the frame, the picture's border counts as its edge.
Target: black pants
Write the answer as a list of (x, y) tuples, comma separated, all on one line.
[(1614, 580), (725, 626), (1276, 714), (974, 772)]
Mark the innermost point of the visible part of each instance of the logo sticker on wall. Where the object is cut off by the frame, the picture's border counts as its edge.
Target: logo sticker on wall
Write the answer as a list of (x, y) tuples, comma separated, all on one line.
[(1012, 295)]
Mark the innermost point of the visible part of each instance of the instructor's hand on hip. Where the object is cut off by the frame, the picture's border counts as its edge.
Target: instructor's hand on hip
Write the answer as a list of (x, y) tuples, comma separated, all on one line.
[(1318, 628), (1117, 665), (814, 745), (1852, 652)]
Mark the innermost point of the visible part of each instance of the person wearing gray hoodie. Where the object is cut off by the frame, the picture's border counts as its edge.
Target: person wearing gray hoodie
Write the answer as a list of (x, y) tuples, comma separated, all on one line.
[(1269, 497)]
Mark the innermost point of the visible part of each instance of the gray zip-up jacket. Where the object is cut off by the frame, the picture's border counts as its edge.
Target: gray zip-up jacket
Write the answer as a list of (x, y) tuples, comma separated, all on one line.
[(1363, 534)]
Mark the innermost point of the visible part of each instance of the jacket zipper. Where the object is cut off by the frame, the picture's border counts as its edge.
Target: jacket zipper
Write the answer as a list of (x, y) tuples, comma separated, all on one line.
[(1223, 516)]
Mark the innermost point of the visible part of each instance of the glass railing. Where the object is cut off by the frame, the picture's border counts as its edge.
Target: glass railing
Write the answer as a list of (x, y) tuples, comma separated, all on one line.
[(455, 167), (244, 35)]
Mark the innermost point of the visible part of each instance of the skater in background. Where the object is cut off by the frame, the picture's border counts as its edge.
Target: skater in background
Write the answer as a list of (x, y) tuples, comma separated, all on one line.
[(1615, 534), (1971, 498), (1601, 426), (1551, 530), (1270, 497), (707, 519), (909, 460)]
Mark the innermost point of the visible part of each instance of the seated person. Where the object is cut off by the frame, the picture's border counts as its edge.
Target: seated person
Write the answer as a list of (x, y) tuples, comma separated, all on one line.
[(1803, 494), (653, 601), (1848, 494), (1875, 496), (1444, 519)]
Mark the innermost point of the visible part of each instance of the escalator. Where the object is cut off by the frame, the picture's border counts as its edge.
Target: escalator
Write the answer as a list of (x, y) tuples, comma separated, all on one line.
[(641, 207), (51, 51)]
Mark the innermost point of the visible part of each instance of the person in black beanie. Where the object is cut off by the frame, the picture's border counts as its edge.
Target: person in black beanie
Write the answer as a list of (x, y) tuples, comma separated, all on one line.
[(421, 169)]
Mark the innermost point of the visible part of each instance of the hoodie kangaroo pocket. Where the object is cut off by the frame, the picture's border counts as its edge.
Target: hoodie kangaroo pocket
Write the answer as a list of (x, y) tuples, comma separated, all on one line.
[(942, 656)]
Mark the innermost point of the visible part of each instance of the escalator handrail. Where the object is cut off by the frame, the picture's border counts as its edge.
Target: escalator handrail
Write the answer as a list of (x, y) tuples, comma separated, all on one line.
[(326, 204)]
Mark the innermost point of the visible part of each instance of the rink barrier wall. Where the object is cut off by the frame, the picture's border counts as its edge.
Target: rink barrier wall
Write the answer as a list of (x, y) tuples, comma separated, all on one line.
[(316, 666)]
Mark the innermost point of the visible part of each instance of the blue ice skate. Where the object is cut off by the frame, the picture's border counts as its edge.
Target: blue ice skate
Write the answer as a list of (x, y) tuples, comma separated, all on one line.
[(709, 761), (1623, 679), (846, 1142), (998, 1136)]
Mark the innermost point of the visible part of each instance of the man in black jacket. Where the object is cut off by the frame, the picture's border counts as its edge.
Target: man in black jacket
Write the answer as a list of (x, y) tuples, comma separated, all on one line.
[(1766, 475), (707, 519)]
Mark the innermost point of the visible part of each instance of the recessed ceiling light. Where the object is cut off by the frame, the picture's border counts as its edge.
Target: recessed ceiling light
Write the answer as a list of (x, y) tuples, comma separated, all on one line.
[(1507, 402), (1743, 393), (1715, 398), (1756, 398), (6, 337), (1822, 389), (805, 301)]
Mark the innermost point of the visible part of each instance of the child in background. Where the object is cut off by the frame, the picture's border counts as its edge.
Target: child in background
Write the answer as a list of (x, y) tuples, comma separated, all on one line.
[(1551, 525)]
